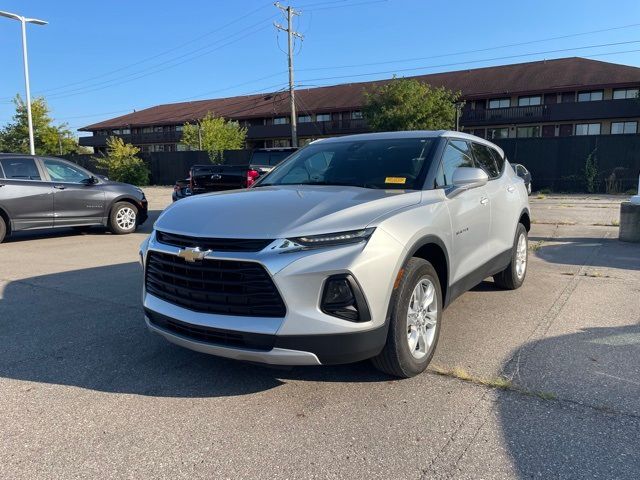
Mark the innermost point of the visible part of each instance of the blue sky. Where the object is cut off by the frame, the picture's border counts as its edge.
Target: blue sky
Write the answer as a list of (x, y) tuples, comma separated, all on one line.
[(97, 60)]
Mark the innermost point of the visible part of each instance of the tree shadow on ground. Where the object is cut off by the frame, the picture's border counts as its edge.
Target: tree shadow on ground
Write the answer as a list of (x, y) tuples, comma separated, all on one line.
[(588, 426), (575, 251)]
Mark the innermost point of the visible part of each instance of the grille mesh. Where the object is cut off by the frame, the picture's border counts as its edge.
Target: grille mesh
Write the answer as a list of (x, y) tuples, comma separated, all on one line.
[(227, 287)]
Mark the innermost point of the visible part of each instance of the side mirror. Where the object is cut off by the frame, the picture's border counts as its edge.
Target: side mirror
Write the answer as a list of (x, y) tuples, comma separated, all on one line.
[(90, 181), (466, 178)]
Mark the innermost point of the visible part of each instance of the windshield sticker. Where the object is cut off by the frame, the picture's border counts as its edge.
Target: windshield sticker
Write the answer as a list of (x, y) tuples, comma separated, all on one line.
[(400, 180)]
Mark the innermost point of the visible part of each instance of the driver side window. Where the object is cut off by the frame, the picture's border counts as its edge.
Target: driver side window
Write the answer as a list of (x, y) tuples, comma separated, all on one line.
[(63, 172)]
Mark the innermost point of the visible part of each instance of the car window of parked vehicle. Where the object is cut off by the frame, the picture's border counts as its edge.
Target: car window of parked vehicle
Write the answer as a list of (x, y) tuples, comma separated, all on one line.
[(486, 160), (63, 172), (388, 164), (456, 154), (20, 168)]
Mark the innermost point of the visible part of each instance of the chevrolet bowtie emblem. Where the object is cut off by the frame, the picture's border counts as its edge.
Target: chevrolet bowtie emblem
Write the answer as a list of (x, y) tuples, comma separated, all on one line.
[(193, 254)]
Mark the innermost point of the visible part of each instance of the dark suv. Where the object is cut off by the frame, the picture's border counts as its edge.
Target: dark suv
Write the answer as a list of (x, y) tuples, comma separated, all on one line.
[(45, 192)]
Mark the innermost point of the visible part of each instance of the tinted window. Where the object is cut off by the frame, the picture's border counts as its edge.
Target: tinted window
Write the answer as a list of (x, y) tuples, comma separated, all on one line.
[(498, 159), (63, 172), (387, 163), (456, 154), (20, 168), (485, 159)]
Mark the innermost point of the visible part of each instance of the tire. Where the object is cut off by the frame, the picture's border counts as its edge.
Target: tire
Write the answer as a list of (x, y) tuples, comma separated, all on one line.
[(3, 229), (398, 358), (123, 218), (513, 276)]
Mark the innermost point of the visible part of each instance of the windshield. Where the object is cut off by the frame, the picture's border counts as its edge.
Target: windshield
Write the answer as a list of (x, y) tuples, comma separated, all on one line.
[(388, 164)]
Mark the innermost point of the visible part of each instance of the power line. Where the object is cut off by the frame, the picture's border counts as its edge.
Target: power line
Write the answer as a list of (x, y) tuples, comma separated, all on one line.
[(506, 57), (486, 49), (164, 52)]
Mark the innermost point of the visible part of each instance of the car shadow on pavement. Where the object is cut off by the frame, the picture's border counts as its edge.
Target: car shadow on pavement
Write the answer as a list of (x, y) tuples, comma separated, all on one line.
[(580, 417), (612, 253), (86, 328)]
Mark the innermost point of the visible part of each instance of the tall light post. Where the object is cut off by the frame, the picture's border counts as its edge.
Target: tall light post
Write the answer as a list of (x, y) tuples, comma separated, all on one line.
[(24, 21)]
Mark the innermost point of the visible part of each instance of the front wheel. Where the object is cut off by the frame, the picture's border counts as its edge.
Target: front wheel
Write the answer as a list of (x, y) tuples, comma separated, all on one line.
[(3, 229), (512, 277), (123, 218), (415, 322)]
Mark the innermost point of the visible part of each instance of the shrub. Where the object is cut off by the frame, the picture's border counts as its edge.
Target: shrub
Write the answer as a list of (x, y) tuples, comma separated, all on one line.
[(122, 164), (591, 173)]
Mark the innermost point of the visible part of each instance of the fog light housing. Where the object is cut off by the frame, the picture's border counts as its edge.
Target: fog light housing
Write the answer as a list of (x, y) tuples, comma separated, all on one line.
[(343, 298)]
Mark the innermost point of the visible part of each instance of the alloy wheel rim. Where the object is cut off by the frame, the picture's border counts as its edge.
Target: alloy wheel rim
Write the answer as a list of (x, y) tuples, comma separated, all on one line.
[(126, 218), (521, 256), (422, 318)]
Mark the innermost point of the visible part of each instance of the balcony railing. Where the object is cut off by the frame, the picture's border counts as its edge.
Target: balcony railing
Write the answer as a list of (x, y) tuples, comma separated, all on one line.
[(557, 112), (255, 132)]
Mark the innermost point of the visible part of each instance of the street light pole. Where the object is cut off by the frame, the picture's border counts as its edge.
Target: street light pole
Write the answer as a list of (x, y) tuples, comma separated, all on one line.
[(23, 21)]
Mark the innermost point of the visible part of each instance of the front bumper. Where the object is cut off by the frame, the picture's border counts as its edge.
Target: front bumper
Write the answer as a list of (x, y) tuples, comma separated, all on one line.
[(305, 335)]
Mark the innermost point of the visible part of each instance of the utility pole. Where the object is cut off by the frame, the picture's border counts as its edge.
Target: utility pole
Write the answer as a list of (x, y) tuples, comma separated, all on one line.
[(290, 13)]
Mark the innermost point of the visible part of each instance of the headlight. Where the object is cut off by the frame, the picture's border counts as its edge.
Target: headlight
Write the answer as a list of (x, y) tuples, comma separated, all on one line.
[(339, 238)]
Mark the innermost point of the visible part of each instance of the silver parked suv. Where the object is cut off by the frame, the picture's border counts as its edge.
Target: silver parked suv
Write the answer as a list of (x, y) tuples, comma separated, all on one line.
[(350, 249)]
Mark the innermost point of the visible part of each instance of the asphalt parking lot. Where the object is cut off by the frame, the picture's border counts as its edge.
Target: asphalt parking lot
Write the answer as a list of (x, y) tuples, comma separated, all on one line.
[(543, 382)]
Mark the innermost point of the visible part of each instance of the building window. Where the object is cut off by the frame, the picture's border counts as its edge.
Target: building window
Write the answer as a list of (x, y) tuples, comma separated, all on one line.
[(323, 117), (526, 132), (147, 130), (356, 115), (304, 118), (281, 142), (280, 120), (593, 96), (499, 103), (624, 93), (179, 128), (530, 101), (618, 128), (497, 133), (181, 147), (588, 129)]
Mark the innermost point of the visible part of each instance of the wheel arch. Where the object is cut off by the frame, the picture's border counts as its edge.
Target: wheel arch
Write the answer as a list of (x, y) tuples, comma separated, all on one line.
[(432, 249), (525, 219)]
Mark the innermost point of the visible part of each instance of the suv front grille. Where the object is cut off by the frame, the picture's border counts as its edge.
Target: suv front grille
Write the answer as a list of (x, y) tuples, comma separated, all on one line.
[(226, 287), (215, 244)]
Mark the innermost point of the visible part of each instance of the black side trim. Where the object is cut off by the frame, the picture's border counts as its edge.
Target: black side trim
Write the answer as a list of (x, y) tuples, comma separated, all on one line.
[(340, 348), (493, 266)]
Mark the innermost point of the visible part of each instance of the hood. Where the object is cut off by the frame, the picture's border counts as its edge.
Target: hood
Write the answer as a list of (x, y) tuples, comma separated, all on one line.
[(281, 211)]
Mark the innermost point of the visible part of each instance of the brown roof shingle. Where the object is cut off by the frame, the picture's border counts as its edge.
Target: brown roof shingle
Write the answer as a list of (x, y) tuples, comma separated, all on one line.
[(541, 76)]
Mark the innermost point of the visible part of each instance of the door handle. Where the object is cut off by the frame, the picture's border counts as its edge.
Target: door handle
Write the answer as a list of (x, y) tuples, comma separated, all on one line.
[(511, 189), (59, 187), (484, 200)]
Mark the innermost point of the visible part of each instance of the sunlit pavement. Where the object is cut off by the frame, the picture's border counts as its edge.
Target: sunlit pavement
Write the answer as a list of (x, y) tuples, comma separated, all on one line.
[(86, 391)]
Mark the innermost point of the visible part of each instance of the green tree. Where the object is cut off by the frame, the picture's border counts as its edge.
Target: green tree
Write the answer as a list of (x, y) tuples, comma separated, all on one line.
[(48, 139), (122, 163), (408, 104), (214, 135)]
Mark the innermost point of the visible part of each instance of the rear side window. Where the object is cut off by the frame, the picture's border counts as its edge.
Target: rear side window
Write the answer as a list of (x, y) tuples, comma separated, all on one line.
[(20, 168), (486, 160), (456, 154)]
